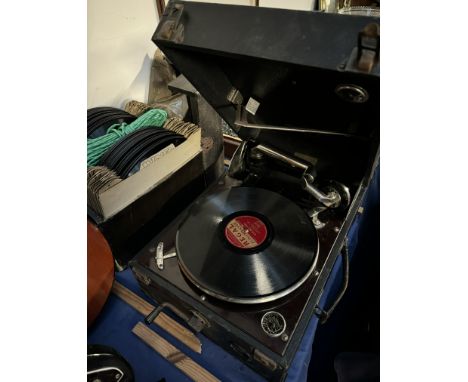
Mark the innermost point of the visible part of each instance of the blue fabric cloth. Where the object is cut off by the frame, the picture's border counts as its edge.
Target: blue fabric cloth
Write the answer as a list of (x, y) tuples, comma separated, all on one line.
[(113, 328)]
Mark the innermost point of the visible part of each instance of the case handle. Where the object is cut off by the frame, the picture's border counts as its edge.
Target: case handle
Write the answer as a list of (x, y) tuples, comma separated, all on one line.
[(323, 314)]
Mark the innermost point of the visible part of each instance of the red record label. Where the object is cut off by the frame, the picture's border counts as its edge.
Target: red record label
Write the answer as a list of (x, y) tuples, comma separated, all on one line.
[(246, 232)]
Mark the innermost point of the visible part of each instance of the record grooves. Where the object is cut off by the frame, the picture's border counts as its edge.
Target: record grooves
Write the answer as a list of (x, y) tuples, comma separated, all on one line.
[(246, 245)]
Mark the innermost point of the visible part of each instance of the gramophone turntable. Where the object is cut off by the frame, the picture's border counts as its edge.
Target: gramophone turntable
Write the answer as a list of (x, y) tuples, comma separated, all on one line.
[(246, 263)]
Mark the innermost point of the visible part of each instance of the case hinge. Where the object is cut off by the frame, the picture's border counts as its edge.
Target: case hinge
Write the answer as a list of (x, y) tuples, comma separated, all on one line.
[(235, 97)]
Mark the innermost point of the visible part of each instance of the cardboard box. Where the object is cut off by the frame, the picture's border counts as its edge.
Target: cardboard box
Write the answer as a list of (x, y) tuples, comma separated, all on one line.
[(156, 171)]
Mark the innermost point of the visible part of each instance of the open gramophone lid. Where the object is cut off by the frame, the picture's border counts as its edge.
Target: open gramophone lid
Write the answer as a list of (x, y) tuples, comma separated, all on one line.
[(246, 245)]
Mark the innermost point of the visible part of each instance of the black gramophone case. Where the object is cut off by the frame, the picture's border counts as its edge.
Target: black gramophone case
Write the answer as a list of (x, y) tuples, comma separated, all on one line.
[(283, 72), (301, 67)]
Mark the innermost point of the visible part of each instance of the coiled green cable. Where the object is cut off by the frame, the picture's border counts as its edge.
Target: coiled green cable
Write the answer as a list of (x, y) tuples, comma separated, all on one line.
[(98, 146)]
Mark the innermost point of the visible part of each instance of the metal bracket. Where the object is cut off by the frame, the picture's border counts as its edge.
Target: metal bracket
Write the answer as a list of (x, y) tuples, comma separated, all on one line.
[(314, 215), (143, 278), (331, 199), (234, 96), (264, 360), (241, 121), (252, 106), (365, 56), (198, 322), (171, 28), (276, 154), (237, 167)]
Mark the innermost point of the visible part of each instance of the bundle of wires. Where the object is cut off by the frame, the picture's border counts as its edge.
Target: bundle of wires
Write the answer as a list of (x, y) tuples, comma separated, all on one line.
[(98, 146)]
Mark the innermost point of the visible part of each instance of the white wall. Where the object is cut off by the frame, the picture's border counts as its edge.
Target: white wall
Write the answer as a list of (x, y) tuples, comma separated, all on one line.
[(305, 5), (235, 2), (120, 50)]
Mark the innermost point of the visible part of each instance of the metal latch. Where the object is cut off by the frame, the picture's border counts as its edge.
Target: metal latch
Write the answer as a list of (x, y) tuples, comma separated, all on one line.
[(198, 322), (241, 351), (366, 55), (160, 256), (143, 278), (264, 360)]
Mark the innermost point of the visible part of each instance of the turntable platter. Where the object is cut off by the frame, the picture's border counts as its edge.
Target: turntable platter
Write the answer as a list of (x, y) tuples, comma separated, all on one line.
[(246, 245)]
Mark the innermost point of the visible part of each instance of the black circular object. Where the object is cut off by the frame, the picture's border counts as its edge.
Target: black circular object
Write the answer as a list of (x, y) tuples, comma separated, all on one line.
[(119, 151), (99, 119), (126, 155), (99, 127), (273, 323), (107, 113), (91, 113), (106, 364), (246, 245), (150, 149)]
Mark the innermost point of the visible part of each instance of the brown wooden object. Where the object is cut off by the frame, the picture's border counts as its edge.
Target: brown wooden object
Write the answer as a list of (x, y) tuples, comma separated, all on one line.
[(184, 363), (163, 320), (100, 272)]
